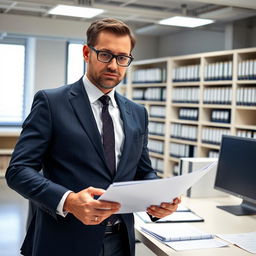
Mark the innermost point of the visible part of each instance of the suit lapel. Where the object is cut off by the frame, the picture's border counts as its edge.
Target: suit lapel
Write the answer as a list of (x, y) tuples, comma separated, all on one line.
[(82, 108), (126, 116)]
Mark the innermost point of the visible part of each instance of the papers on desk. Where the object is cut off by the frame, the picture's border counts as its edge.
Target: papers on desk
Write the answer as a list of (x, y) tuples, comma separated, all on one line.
[(196, 244), (178, 216), (175, 232), (137, 196), (182, 236), (246, 241)]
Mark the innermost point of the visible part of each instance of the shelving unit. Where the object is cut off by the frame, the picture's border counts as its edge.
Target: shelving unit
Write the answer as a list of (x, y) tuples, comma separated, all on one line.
[(206, 95), (142, 77), (8, 139)]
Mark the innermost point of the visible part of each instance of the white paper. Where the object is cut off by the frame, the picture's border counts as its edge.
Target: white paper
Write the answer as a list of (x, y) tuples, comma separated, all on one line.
[(196, 244), (247, 241), (182, 208), (137, 196)]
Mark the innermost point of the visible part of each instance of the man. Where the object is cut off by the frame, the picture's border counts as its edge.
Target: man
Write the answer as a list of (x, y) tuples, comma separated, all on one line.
[(84, 136)]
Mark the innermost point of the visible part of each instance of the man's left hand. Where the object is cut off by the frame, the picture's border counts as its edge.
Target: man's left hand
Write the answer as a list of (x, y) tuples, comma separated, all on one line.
[(164, 209)]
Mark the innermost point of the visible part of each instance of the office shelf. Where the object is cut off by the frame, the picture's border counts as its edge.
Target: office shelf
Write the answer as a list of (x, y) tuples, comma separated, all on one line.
[(5, 157), (177, 84), (163, 103), (224, 74), (156, 137), (8, 137), (182, 121), (157, 155), (146, 85), (156, 119)]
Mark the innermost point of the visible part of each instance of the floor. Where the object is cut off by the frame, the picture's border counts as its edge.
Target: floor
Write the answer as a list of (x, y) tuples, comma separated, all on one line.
[(13, 214)]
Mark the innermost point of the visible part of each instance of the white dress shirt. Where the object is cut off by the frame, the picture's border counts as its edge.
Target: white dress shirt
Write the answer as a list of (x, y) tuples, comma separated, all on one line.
[(94, 94)]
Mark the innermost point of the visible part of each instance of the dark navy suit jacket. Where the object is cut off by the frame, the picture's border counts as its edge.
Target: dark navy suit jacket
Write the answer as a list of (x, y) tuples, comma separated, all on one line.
[(60, 137)]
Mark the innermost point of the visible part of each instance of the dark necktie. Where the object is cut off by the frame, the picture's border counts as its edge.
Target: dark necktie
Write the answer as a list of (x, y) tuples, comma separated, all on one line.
[(108, 134), (108, 145)]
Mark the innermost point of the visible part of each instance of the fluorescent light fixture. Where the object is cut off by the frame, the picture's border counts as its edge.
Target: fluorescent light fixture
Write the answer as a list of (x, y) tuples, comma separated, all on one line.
[(183, 21), (75, 11)]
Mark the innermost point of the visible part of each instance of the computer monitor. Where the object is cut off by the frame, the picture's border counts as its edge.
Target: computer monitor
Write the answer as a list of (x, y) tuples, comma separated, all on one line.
[(236, 173)]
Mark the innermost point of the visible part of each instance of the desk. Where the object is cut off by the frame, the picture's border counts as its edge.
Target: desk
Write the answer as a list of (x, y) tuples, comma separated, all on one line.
[(216, 221)]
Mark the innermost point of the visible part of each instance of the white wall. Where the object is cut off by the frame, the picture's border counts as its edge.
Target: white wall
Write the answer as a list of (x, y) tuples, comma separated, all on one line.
[(190, 42), (253, 43), (253, 33), (42, 27), (50, 63), (244, 33), (146, 47)]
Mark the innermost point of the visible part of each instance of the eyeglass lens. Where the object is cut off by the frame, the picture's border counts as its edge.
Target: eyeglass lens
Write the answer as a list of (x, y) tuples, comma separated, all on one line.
[(106, 57)]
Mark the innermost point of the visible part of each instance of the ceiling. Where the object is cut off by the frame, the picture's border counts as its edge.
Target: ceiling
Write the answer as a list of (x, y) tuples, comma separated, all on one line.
[(143, 15)]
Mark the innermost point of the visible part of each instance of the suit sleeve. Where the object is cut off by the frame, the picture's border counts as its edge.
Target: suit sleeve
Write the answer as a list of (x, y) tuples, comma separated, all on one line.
[(27, 160), (144, 168)]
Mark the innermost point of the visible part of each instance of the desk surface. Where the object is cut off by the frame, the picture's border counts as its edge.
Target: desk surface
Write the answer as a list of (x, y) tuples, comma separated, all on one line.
[(216, 221)]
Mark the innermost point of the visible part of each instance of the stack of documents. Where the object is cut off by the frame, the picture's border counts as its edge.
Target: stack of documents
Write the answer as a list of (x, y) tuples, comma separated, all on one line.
[(175, 232), (182, 236)]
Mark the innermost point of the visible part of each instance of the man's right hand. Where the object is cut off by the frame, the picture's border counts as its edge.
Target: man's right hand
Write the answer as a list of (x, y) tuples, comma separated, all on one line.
[(88, 210)]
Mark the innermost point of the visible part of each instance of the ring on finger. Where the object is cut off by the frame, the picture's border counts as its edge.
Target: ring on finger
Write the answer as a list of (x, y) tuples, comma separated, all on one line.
[(96, 219)]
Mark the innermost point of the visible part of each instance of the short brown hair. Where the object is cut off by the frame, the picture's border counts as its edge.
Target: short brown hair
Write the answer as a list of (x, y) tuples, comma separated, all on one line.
[(108, 24)]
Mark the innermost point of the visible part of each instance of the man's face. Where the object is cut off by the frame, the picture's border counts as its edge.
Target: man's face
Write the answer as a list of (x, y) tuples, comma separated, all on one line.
[(107, 75)]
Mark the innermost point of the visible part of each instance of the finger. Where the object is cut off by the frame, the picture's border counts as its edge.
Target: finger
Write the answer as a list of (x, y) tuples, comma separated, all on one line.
[(103, 209), (177, 200), (106, 205), (168, 206), (95, 191), (165, 206), (103, 213), (160, 212), (97, 219), (156, 214), (93, 220), (96, 216)]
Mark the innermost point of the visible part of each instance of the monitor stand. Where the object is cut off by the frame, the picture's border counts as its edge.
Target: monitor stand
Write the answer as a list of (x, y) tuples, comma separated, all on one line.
[(245, 208)]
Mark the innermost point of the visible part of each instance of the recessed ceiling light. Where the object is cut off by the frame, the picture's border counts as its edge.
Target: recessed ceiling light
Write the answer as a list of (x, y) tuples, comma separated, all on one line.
[(75, 11), (183, 21)]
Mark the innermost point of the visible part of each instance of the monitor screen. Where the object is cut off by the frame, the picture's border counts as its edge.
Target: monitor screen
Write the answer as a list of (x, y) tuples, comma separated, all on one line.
[(236, 172)]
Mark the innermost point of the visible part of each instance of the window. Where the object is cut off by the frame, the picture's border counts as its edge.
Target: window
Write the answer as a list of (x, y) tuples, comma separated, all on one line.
[(75, 62), (12, 69)]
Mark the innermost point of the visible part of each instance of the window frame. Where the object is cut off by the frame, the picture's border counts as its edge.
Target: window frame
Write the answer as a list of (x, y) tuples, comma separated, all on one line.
[(67, 59)]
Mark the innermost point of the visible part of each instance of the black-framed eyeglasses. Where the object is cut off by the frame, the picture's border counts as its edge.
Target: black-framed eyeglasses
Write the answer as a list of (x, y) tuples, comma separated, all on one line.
[(106, 57)]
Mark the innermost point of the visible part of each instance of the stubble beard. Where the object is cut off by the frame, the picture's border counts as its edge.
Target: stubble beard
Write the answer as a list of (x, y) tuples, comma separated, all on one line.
[(101, 83), (107, 83)]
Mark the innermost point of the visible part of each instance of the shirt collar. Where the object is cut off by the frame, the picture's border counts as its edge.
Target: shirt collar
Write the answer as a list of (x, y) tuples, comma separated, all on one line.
[(94, 93)]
